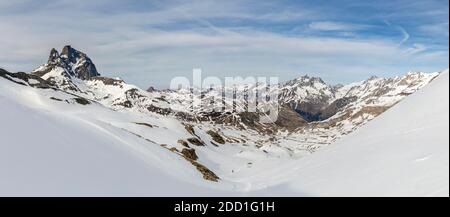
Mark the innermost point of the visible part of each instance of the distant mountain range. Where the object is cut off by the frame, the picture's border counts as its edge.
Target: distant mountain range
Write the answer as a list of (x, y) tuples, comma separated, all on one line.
[(85, 133), (310, 109)]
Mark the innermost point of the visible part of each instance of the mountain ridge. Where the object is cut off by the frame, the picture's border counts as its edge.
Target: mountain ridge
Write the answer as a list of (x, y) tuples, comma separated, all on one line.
[(310, 110), (92, 150)]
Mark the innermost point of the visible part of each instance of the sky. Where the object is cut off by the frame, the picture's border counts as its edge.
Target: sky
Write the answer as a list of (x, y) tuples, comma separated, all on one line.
[(148, 43)]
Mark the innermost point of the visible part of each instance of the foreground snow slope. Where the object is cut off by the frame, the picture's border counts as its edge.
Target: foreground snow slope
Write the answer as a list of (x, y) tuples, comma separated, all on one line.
[(55, 152), (54, 148), (403, 152), (55, 158)]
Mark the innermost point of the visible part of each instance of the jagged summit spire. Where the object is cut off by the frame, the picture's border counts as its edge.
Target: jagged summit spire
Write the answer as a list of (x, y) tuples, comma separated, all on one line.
[(72, 54), (54, 56), (67, 50), (74, 62), (306, 80)]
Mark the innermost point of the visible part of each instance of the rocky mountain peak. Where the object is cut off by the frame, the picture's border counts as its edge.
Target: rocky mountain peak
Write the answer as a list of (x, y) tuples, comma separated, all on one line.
[(305, 80), (72, 55), (373, 77), (68, 50), (75, 63), (310, 78), (53, 57)]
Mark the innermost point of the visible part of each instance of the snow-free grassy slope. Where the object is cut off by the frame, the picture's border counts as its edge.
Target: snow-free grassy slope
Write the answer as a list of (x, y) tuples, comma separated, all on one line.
[(403, 152)]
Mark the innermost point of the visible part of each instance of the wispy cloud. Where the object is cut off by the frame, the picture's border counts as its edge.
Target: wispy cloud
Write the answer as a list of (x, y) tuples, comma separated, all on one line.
[(404, 33), (333, 26), (416, 48), (149, 42), (435, 28)]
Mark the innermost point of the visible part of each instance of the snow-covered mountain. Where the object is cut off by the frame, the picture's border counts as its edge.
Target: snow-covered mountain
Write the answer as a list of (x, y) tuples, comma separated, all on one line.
[(82, 126), (311, 111), (404, 152)]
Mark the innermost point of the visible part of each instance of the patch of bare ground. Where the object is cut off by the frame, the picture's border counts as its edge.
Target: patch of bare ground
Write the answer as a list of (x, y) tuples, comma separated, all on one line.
[(108, 81), (144, 124), (207, 174), (190, 155), (373, 110), (196, 141), (190, 129), (125, 104), (56, 99), (193, 140), (82, 101), (216, 137), (183, 143)]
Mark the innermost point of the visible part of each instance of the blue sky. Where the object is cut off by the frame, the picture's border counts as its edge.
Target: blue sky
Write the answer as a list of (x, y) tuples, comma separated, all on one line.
[(150, 42)]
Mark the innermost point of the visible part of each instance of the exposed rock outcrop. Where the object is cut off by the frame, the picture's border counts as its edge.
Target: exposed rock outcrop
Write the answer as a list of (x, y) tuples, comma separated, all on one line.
[(71, 61)]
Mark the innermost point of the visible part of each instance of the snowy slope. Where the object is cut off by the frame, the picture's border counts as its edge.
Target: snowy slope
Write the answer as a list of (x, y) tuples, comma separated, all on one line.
[(65, 130), (46, 149), (313, 114), (403, 152)]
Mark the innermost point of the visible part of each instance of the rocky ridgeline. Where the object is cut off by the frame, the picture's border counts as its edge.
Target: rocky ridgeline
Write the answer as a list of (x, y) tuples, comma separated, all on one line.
[(75, 64), (308, 105)]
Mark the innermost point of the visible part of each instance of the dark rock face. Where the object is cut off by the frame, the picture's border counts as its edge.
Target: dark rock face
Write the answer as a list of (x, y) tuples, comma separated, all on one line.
[(74, 62), (82, 65), (108, 81), (82, 101), (317, 104), (196, 141), (216, 137), (189, 153), (289, 119), (25, 79), (311, 111), (335, 107), (54, 57)]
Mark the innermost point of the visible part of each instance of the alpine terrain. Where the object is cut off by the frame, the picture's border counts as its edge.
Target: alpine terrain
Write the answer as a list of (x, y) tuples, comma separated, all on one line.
[(67, 130)]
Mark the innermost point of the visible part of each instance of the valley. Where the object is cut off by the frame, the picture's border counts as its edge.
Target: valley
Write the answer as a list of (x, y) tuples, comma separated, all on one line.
[(68, 122)]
